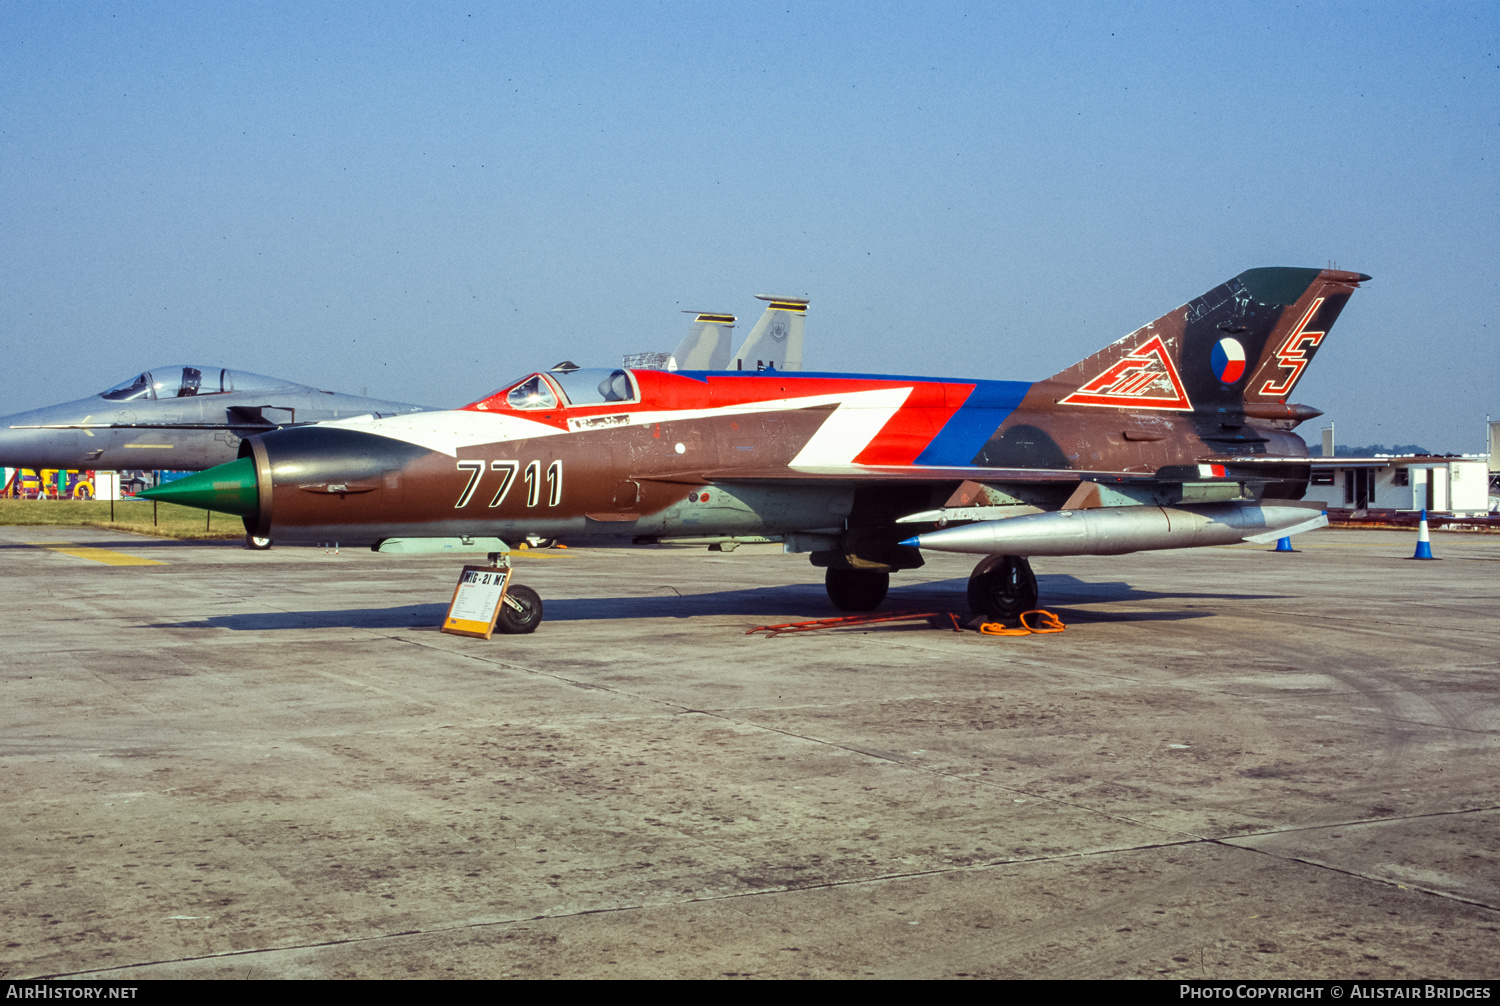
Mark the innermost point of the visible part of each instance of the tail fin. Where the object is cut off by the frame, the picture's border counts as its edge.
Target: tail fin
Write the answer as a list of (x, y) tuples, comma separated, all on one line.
[(1247, 340), (775, 343), (706, 346)]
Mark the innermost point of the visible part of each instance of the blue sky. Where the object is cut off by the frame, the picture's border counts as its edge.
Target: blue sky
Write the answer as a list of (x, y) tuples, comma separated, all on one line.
[(425, 200)]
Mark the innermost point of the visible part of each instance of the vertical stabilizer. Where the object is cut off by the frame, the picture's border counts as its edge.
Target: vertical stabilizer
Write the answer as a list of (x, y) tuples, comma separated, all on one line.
[(1243, 343), (707, 344), (775, 343), (1299, 332)]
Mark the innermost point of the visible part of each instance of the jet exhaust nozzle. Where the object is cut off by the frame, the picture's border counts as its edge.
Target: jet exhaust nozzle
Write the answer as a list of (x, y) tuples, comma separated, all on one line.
[(1118, 530), (232, 488)]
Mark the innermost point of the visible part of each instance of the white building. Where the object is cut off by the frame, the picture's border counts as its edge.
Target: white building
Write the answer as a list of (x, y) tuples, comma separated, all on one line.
[(1459, 486)]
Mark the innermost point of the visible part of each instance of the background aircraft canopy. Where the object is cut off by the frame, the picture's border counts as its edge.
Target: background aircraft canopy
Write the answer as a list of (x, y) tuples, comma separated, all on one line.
[(182, 381)]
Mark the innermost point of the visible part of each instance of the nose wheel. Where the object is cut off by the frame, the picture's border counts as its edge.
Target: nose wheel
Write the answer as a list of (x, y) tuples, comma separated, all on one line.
[(1002, 587), (520, 611)]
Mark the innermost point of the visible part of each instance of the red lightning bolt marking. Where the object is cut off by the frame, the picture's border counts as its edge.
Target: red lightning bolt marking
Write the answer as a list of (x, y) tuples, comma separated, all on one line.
[(1293, 353)]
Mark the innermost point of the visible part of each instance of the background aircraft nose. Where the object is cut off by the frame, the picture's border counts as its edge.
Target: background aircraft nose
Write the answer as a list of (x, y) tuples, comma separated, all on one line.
[(230, 488), (22, 448), (42, 448)]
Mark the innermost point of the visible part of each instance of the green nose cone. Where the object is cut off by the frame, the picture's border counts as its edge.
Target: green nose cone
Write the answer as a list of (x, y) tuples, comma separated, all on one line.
[(231, 488)]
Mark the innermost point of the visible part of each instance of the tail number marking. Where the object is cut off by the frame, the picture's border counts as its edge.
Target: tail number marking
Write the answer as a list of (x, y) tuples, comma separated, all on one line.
[(1293, 353), (508, 471)]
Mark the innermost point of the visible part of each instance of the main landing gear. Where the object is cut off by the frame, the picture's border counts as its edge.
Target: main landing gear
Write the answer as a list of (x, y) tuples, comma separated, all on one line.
[(257, 544), (856, 589), (1002, 587)]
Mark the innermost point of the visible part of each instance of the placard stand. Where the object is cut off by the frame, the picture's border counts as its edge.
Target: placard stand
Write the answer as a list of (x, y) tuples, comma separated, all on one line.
[(476, 600)]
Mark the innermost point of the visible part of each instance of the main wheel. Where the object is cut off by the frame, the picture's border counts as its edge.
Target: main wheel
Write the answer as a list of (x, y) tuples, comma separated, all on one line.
[(856, 589), (257, 544), (520, 611), (1002, 587)]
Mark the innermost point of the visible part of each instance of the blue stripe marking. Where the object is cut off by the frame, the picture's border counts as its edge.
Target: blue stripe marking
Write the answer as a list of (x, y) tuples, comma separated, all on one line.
[(971, 427), (960, 439)]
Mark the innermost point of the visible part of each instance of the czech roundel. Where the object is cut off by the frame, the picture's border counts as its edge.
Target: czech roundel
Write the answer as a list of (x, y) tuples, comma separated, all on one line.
[(1229, 361)]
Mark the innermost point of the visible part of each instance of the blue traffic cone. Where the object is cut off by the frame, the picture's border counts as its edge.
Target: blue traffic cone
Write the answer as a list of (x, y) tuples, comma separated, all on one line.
[(1284, 545), (1424, 543)]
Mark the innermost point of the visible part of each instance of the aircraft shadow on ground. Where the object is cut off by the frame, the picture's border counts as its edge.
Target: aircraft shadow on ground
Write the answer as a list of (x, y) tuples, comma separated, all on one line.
[(793, 602)]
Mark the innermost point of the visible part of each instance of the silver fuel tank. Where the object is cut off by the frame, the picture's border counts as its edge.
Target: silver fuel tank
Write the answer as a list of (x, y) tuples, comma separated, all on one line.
[(1117, 530)]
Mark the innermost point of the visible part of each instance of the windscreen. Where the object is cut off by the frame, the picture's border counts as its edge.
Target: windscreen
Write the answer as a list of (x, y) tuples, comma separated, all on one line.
[(532, 393), (131, 390)]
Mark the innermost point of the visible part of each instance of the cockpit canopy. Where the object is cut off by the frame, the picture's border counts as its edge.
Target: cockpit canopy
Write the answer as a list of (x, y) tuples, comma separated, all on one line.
[(186, 382), (592, 386)]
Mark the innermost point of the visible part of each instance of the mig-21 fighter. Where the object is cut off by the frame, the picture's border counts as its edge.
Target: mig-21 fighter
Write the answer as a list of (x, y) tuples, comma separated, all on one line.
[(1177, 435)]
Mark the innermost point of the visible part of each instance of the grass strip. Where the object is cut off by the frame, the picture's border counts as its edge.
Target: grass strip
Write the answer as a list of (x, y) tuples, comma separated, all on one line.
[(168, 521)]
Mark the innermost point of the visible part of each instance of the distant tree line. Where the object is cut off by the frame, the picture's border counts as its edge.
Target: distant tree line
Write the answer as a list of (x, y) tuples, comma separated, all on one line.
[(1345, 451)]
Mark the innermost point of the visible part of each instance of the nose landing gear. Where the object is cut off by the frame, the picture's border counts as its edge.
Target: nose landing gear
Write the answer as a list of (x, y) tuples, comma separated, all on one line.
[(520, 611)]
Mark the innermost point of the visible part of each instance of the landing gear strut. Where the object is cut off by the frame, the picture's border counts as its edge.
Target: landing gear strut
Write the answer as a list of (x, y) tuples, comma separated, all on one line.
[(1002, 587), (856, 589)]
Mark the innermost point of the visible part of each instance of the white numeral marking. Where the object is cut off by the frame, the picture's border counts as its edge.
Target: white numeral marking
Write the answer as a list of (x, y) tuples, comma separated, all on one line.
[(533, 482), (509, 468), (474, 468)]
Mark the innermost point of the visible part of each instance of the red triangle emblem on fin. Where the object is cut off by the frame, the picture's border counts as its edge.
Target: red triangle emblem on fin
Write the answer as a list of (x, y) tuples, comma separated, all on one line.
[(1146, 378)]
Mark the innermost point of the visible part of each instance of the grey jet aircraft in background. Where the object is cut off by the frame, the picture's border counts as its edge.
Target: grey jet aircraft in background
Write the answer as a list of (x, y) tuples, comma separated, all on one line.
[(775, 343), (182, 418)]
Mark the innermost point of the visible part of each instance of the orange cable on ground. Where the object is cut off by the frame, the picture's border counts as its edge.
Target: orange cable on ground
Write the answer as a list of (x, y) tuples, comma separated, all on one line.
[(999, 629), (1047, 624)]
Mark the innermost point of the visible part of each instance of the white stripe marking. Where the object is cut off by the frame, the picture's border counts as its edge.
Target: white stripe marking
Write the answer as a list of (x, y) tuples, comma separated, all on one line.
[(859, 416), (446, 432), (852, 426)]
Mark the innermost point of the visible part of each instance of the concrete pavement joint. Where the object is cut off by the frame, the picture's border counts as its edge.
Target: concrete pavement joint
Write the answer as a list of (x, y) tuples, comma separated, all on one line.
[(1230, 843)]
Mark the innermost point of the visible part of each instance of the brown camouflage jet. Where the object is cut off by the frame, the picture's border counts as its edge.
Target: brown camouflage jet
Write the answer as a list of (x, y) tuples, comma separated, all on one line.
[(1178, 434)]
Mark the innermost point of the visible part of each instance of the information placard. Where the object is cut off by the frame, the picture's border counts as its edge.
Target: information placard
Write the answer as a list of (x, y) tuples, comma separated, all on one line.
[(476, 601)]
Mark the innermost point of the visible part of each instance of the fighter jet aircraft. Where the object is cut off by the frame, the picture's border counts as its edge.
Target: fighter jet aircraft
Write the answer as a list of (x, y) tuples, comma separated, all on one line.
[(1178, 434), (179, 417), (775, 343)]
